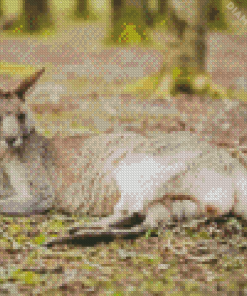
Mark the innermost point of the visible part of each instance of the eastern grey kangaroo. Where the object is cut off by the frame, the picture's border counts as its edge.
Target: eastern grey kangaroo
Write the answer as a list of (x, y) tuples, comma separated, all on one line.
[(122, 176), (26, 161)]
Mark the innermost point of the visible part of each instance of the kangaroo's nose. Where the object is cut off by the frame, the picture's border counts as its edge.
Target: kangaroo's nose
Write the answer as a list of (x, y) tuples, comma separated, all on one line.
[(10, 141)]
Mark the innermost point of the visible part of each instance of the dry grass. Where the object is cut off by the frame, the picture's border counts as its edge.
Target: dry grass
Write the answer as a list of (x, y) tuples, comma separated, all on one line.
[(190, 257)]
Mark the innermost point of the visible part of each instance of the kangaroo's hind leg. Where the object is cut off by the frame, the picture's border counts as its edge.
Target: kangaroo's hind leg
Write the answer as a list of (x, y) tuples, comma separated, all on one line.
[(161, 213)]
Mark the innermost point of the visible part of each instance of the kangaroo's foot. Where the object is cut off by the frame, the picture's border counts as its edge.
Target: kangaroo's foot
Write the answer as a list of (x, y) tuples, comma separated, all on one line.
[(113, 226)]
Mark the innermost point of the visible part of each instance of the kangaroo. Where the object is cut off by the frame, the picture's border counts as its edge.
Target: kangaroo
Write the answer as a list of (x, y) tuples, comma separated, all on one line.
[(133, 179), (125, 178), (25, 157)]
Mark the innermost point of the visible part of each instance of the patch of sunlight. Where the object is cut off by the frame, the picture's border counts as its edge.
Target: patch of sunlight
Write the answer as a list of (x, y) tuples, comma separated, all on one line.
[(217, 91), (47, 134), (48, 126), (16, 69), (145, 84), (241, 95), (161, 24), (129, 35), (11, 7), (75, 126), (48, 32)]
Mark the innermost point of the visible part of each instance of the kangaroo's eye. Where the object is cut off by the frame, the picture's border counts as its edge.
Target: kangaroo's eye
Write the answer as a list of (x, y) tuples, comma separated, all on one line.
[(21, 116)]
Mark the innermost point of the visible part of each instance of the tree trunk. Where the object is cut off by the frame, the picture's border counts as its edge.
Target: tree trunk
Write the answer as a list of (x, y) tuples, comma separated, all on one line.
[(117, 6), (36, 15), (1, 8), (82, 9), (188, 21)]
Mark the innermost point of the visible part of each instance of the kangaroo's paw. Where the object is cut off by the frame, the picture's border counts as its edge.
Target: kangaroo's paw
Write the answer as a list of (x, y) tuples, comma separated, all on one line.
[(89, 234), (94, 232), (105, 227)]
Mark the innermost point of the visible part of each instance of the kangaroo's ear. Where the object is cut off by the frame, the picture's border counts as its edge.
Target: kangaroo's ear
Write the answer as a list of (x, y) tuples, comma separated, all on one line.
[(23, 87)]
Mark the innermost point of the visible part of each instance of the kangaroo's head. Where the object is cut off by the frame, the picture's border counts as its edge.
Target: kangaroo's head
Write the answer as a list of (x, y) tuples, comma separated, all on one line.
[(14, 124)]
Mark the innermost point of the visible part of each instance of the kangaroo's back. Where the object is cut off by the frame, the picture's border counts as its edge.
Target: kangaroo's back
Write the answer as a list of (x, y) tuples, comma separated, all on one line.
[(129, 171)]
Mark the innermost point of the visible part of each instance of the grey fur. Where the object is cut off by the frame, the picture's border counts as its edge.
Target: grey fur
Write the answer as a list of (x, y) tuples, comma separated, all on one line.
[(26, 162)]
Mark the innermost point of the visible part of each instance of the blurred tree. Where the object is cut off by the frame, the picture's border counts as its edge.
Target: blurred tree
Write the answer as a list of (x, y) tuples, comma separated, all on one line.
[(120, 9), (7, 21), (1, 8), (129, 21), (241, 4), (215, 15), (148, 13), (83, 11), (35, 16), (117, 6), (187, 22)]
